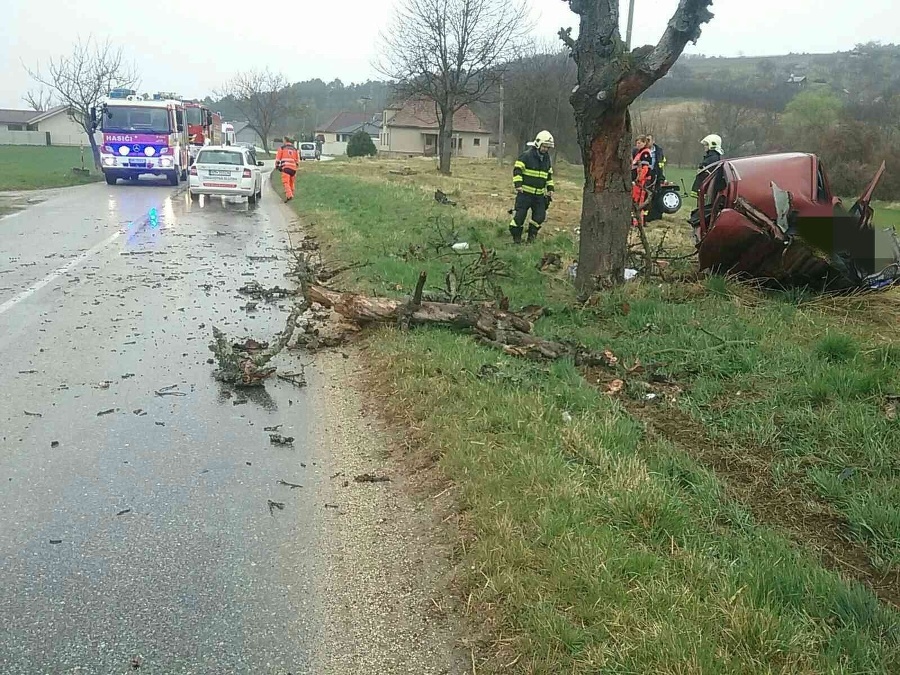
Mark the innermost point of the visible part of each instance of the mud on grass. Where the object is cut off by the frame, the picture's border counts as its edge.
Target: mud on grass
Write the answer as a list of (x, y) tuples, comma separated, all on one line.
[(615, 541)]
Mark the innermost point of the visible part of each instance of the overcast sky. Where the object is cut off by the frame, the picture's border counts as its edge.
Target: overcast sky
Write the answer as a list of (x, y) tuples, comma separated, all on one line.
[(191, 47)]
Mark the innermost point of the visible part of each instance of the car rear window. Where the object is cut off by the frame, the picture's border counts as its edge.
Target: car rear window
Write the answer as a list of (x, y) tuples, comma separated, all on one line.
[(220, 157), (307, 146)]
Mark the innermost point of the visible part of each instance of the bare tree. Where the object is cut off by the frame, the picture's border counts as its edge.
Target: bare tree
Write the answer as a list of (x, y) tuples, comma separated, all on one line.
[(263, 98), (39, 100), (91, 70), (737, 122), (610, 78), (452, 52), (536, 91)]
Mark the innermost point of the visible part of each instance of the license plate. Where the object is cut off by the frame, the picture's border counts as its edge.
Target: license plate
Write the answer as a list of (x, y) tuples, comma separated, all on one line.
[(137, 162), (220, 173)]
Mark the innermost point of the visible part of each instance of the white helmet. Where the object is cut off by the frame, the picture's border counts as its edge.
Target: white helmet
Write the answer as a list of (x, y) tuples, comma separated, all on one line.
[(713, 141), (543, 138)]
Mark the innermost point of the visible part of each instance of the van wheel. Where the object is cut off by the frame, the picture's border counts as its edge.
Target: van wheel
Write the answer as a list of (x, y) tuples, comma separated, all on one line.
[(111, 180)]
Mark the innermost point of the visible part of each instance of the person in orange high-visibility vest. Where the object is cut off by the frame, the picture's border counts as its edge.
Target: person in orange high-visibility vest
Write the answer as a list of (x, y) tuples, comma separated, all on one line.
[(287, 160)]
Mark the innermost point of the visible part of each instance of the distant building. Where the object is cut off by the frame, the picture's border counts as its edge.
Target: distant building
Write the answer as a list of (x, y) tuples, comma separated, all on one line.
[(334, 135), (411, 128), (244, 134), (797, 80), (56, 124)]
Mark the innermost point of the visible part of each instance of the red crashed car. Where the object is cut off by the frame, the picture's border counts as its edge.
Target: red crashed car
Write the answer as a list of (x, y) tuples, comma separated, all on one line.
[(774, 217)]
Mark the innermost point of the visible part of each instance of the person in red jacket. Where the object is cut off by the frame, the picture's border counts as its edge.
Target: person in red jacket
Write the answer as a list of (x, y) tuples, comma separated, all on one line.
[(287, 160), (641, 175)]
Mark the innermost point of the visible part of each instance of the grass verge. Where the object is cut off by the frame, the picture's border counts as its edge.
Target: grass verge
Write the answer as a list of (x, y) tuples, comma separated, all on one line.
[(31, 168), (733, 509)]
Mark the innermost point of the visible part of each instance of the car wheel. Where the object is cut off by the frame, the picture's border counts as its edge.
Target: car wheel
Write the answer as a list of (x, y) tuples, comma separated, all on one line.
[(194, 196), (175, 177), (251, 199), (671, 202)]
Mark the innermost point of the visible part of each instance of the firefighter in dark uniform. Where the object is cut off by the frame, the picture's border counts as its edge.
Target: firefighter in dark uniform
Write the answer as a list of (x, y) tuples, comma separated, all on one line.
[(533, 181), (712, 145)]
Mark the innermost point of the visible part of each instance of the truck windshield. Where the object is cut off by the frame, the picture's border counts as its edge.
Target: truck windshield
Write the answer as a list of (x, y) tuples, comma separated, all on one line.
[(194, 115), (136, 119)]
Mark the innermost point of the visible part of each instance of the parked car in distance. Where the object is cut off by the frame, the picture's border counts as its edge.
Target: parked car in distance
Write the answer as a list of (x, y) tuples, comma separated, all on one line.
[(231, 171), (309, 151)]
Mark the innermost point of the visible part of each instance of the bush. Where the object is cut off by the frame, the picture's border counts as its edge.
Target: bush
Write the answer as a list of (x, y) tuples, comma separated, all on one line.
[(361, 145)]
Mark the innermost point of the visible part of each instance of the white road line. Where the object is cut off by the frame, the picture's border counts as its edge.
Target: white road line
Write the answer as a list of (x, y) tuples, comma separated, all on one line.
[(69, 266)]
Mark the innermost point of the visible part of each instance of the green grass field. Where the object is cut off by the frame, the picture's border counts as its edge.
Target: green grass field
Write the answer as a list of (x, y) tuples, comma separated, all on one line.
[(30, 168), (733, 509)]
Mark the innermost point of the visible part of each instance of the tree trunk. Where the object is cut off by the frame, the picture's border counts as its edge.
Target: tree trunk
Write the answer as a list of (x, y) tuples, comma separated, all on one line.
[(86, 124), (606, 200), (610, 78), (493, 327), (445, 132)]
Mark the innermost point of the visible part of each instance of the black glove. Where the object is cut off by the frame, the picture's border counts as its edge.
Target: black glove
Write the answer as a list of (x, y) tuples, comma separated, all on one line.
[(548, 198)]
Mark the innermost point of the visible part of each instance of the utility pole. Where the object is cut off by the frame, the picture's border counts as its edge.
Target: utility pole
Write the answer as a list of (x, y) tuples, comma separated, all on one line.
[(501, 144), (630, 23)]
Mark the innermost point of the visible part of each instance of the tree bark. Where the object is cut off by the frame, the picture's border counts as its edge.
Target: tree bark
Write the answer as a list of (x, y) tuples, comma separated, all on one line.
[(606, 201), (610, 78), (445, 132)]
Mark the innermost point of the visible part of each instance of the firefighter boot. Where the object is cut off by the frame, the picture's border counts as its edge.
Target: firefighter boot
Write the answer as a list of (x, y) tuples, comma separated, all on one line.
[(516, 232), (532, 232)]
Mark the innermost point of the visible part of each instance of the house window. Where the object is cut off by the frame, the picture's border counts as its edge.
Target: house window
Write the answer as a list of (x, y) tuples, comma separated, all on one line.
[(15, 127), (476, 142)]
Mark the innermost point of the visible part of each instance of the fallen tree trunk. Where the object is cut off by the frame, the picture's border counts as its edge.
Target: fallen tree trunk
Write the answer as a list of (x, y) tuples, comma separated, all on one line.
[(492, 326)]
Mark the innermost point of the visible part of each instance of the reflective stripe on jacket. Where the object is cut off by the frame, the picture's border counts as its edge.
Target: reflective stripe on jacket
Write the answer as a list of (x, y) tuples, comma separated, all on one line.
[(532, 172), (287, 157)]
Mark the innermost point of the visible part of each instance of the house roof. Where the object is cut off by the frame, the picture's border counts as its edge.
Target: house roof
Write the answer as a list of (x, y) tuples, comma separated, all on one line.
[(47, 114), (10, 116), (419, 113), (17, 116), (369, 127), (343, 120)]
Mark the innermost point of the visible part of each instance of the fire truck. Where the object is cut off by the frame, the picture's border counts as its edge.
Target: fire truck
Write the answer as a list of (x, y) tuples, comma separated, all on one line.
[(204, 127), (142, 136)]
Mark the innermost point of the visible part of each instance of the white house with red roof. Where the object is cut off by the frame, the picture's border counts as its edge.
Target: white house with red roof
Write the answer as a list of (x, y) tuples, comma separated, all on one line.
[(411, 128)]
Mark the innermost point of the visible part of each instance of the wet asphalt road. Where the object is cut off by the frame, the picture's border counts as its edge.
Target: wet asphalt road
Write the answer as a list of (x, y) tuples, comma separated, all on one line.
[(135, 527)]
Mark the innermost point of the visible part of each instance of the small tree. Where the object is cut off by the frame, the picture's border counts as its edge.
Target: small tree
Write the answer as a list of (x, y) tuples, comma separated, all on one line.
[(80, 79), (263, 98), (361, 145), (610, 78), (452, 52)]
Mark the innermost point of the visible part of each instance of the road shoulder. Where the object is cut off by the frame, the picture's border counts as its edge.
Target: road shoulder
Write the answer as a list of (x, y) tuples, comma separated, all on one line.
[(387, 556)]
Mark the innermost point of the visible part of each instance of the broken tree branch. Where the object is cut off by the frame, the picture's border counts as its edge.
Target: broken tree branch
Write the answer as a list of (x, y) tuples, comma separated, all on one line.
[(245, 367), (493, 327)]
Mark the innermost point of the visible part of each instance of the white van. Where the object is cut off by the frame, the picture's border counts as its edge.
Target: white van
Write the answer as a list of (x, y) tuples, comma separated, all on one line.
[(309, 151)]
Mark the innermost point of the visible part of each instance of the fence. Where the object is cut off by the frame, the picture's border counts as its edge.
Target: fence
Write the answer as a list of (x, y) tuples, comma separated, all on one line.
[(24, 137), (60, 138)]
